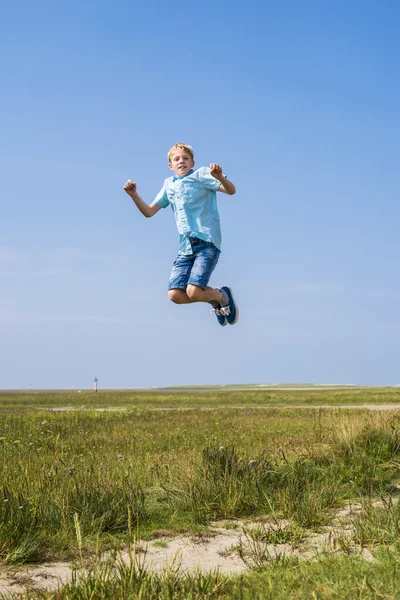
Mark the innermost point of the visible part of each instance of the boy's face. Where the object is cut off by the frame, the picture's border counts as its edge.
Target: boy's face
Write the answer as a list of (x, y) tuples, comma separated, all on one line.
[(181, 163)]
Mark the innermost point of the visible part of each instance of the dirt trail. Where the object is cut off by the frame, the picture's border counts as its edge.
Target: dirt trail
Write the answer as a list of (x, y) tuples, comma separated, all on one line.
[(215, 549), (246, 407)]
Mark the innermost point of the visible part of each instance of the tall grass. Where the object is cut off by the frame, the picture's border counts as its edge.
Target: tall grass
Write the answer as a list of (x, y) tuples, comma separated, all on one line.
[(229, 485), (377, 524), (145, 470)]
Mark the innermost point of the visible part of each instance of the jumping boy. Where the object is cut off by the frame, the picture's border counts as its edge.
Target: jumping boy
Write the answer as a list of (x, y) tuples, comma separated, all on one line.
[(192, 195)]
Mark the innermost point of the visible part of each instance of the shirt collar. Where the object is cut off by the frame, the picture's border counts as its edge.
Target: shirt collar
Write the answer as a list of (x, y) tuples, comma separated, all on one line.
[(175, 178)]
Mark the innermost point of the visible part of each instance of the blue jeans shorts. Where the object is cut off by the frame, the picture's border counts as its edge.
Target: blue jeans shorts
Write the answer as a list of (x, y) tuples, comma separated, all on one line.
[(194, 268)]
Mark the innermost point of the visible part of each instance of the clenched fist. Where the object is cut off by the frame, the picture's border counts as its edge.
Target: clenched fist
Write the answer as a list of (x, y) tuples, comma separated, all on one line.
[(215, 170), (130, 187)]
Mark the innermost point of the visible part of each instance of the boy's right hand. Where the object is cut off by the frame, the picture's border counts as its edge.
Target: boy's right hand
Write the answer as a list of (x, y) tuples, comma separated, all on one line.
[(130, 187)]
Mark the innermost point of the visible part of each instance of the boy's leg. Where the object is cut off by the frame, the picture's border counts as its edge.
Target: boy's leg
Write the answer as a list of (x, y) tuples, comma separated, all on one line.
[(189, 282), (197, 294), (179, 296), (198, 290), (222, 300), (179, 278), (194, 293), (210, 295), (205, 260)]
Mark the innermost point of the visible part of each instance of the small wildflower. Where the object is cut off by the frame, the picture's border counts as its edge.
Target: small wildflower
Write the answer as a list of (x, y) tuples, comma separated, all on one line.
[(6, 500), (21, 506)]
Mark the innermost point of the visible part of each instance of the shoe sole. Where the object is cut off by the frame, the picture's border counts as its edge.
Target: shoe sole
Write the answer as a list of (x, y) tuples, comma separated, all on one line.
[(226, 287)]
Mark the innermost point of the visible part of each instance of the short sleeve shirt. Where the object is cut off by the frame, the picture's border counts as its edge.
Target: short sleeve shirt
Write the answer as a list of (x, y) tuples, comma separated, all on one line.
[(193, 199)]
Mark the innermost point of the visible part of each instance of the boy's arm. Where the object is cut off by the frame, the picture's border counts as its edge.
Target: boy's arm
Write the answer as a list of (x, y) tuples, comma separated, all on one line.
[(226, 186), (148, 210)]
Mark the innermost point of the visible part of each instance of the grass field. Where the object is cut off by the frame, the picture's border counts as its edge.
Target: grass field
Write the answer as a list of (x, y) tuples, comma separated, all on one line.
[(74, 484), (30, 400)]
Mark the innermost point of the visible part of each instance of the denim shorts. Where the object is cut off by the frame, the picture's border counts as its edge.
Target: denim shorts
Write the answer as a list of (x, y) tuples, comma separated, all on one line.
[(194, 268)]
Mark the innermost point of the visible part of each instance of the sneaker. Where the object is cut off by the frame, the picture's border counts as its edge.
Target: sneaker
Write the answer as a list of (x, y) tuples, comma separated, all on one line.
[(230, 311), (220, 316)]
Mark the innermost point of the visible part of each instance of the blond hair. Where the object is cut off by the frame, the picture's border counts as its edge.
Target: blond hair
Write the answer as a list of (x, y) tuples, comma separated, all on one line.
[(180, 146)]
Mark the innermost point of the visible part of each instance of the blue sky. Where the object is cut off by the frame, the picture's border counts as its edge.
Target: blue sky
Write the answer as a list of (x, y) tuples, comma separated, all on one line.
[(298, 101)]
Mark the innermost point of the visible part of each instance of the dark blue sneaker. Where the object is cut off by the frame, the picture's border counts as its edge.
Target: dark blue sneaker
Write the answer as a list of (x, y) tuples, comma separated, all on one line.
[(230, 311), (220, 317)]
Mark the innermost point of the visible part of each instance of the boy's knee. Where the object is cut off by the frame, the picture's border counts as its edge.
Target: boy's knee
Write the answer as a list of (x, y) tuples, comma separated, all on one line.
[(194, 292), (176, 296)]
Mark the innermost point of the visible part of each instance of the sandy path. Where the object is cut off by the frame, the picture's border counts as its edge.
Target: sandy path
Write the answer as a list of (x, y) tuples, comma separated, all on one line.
[(247, 407), (189, 553), (216, 549)]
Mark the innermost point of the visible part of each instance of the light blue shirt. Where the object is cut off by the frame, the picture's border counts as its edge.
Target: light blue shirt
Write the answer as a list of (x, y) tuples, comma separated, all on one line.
[(193, 198)]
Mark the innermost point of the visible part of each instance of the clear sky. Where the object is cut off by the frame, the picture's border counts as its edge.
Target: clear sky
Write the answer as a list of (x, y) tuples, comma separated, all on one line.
[(298, 101)]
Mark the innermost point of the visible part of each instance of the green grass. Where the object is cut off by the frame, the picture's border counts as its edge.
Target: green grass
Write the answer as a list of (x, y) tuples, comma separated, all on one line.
[(330, 578), (194, 399), (377, 525), (178, 471), (73, 484)]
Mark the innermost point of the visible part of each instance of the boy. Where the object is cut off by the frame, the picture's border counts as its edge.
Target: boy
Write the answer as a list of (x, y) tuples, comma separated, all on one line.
[(192, 195)]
